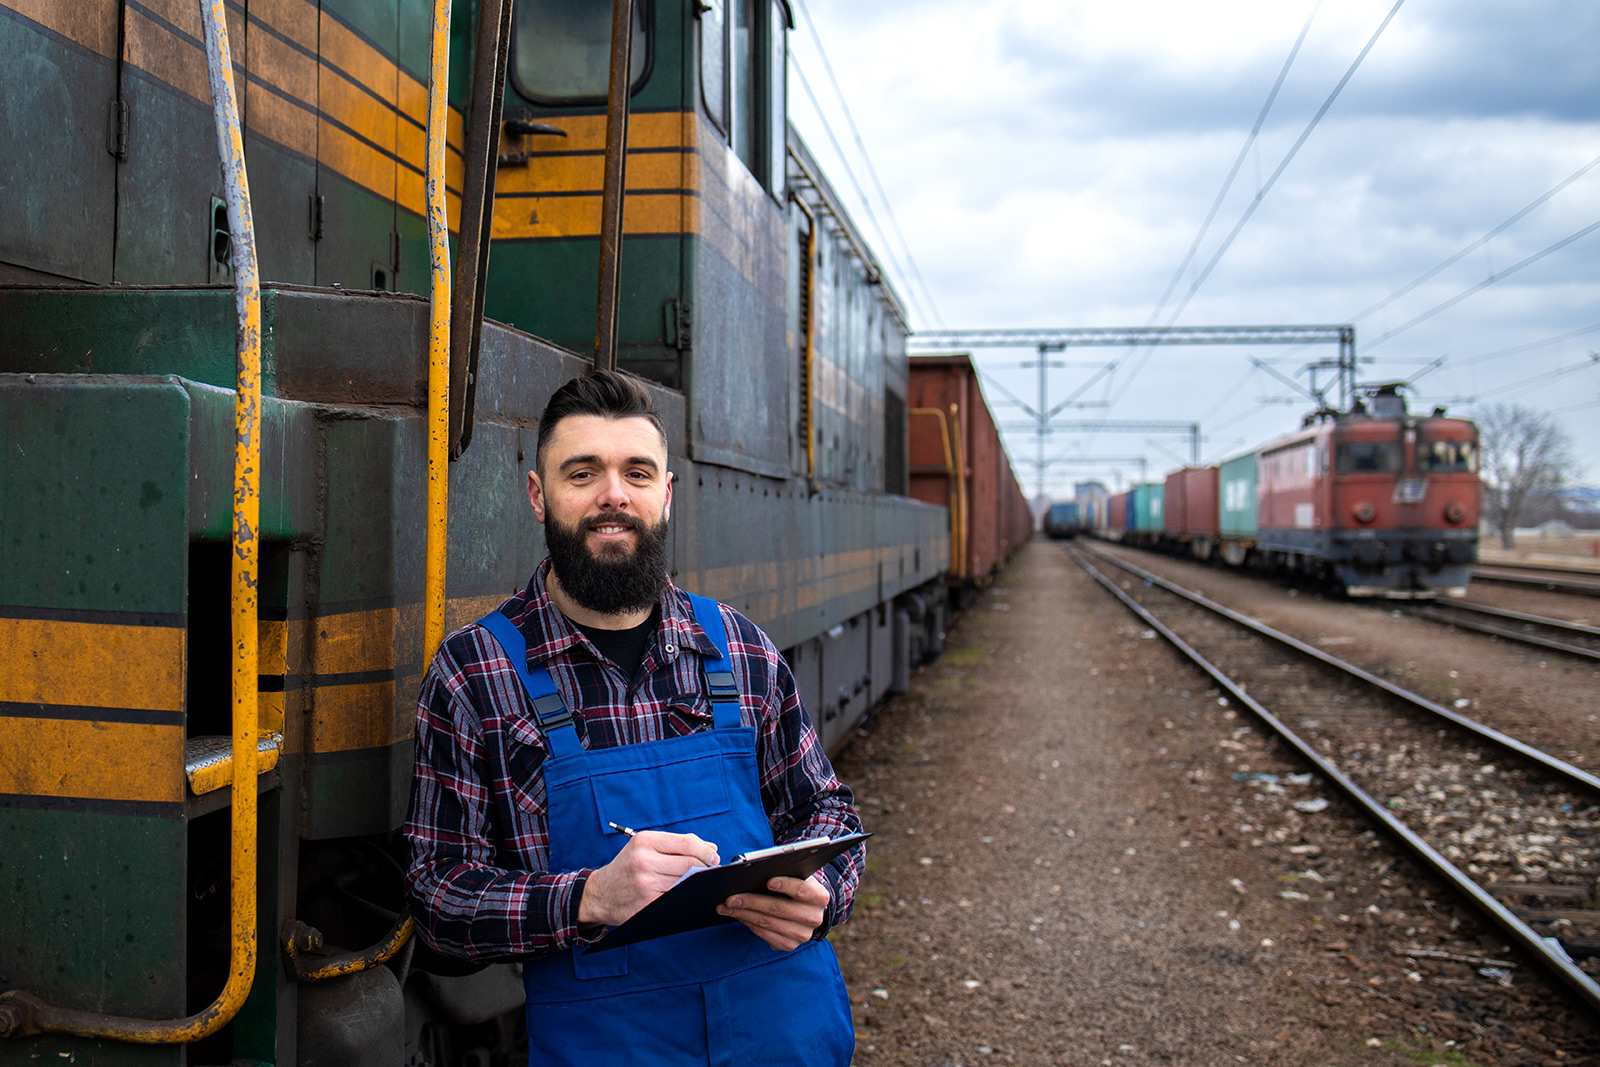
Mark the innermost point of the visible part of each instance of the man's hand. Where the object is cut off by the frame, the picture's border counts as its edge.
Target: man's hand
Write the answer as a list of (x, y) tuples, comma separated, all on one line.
[(646, 867), (786, 917)]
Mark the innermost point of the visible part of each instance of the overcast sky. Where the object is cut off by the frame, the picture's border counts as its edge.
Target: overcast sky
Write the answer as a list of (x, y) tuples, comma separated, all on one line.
[(1050, 164)]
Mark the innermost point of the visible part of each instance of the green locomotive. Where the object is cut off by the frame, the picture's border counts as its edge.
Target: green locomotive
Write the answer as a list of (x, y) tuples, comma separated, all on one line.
[(746, 294)]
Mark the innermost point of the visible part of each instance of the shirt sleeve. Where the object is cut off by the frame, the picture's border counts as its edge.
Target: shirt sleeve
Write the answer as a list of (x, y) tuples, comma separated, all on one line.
[(802, 794), (465, 904)]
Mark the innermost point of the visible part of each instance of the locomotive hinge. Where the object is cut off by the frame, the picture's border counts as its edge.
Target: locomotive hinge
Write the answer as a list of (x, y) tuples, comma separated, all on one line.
[(117, 129), (677, 322), (314, 220)]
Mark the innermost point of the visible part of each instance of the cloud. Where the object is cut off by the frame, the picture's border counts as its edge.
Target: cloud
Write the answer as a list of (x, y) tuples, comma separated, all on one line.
[(1050, 164)]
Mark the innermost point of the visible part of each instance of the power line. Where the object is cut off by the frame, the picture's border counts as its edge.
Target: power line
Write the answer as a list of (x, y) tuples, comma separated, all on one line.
[(1490, 280), (872, 171), (1513, 350), (1244, 151), (1261, 193), (1479, 243), (844, 161), (1525, 384)]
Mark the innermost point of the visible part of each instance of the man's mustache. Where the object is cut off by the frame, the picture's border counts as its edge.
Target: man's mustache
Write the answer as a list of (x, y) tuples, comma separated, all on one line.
[(632, 522)]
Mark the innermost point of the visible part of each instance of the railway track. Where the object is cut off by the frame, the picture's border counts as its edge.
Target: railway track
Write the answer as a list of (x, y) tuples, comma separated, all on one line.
[(1572, 638), (1510, 828), (1583, 582)]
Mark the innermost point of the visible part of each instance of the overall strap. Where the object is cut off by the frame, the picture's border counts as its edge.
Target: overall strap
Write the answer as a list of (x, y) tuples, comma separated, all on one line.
[(548, 709), (718, 671)]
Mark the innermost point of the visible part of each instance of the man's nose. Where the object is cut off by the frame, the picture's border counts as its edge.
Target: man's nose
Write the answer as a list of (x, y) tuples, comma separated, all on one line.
[(614, 492)]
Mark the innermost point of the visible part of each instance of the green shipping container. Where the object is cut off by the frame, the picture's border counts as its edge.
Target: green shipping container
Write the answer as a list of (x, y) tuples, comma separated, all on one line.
[(1237, 485), (1144, 507)]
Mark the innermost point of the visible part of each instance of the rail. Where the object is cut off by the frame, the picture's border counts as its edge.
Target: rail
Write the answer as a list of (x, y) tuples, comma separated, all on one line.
[(21, 1013), (1557, 581), (1449, 613), (1558, 767), (1552, 958)]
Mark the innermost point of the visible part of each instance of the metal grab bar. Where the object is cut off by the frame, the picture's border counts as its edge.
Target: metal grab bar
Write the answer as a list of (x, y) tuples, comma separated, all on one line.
[(311, 969), (438, 518), (23, 1014), (614, 192)]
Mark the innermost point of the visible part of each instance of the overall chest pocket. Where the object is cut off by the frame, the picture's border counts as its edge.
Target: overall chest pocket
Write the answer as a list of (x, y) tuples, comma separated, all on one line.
[(679, 795), (679, 785)]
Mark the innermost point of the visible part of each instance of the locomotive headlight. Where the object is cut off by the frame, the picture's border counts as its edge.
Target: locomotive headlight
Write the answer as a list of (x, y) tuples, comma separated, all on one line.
[(1365, 512), (1454, 511)]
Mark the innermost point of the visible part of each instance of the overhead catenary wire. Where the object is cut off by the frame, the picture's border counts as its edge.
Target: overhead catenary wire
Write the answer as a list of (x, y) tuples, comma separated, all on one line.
[(1266, 187), (1480, 286), (1244, 152), (872, 171), (1500, 353), (872, 216), (1479, 243), (1524, 385)]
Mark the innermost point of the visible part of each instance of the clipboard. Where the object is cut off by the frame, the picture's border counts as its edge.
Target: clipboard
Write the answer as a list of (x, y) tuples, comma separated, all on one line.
[(692, 903)]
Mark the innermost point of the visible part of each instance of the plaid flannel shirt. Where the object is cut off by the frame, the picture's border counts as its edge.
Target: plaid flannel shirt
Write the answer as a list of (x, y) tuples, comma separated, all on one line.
[(478, 881)]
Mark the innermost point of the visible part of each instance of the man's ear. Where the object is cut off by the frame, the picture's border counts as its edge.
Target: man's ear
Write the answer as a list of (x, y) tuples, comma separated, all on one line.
[(536, 495), (666, 509)]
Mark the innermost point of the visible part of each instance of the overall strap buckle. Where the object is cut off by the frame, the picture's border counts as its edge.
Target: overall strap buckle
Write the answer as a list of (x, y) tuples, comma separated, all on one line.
[(549, 710), (722, 689)]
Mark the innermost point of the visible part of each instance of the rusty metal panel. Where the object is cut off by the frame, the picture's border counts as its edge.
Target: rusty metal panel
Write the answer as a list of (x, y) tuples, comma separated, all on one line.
[(736, 374), (169, 185), (280, 106), (60, 100), (358, 94)]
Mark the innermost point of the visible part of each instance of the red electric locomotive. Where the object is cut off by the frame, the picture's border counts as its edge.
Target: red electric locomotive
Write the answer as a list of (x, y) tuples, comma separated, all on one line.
[(1385, 502)]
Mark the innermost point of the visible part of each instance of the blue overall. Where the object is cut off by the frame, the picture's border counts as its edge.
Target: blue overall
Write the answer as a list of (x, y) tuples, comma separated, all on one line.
[(720, 996)]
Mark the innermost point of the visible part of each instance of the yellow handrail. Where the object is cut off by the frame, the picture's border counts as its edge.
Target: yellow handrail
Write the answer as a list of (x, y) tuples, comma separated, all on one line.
[(23, 1013), (951, 492), (438, 517), (961, 489)]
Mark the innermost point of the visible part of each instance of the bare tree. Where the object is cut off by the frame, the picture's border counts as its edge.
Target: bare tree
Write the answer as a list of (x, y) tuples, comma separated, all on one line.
[(1525, 454)]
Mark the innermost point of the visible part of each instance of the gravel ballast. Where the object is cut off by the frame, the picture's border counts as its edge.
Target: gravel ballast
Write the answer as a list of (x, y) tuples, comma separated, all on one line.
[(1068, 871)]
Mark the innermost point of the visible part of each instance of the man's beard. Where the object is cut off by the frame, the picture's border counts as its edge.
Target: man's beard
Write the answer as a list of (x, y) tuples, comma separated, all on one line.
[(618, 579)]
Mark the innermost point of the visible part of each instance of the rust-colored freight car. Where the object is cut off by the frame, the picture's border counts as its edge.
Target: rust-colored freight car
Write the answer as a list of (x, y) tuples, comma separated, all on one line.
[(957, 460), (1190, 509)]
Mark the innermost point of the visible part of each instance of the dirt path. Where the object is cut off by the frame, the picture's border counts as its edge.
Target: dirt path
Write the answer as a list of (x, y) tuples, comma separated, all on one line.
[(1067, 872)]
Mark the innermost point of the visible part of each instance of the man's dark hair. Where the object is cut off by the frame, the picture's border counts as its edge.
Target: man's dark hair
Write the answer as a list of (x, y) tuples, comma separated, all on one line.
[(610, 394)]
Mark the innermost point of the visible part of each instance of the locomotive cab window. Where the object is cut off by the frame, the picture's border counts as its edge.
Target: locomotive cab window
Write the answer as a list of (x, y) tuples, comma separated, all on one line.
[(562, 50), (1368, 457), (744, 82), (1447, 457)]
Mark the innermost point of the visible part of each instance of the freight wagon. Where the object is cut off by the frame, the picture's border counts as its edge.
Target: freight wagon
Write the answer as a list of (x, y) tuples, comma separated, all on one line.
[(959, 462), (1062, 521), (126, 270)]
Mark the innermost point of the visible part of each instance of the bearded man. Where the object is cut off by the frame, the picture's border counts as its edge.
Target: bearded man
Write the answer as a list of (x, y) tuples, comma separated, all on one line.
[(573, 761)]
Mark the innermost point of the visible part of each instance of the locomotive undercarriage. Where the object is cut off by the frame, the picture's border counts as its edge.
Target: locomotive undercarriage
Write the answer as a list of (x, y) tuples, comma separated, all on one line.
[(1392, 564)]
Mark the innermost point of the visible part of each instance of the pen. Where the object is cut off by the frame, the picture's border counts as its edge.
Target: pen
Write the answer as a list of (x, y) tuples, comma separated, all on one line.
[(622, 829)]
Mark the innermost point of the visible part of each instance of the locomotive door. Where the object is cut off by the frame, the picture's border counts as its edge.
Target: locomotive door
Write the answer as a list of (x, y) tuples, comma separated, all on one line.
[(60, 119), (1411, 488)]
